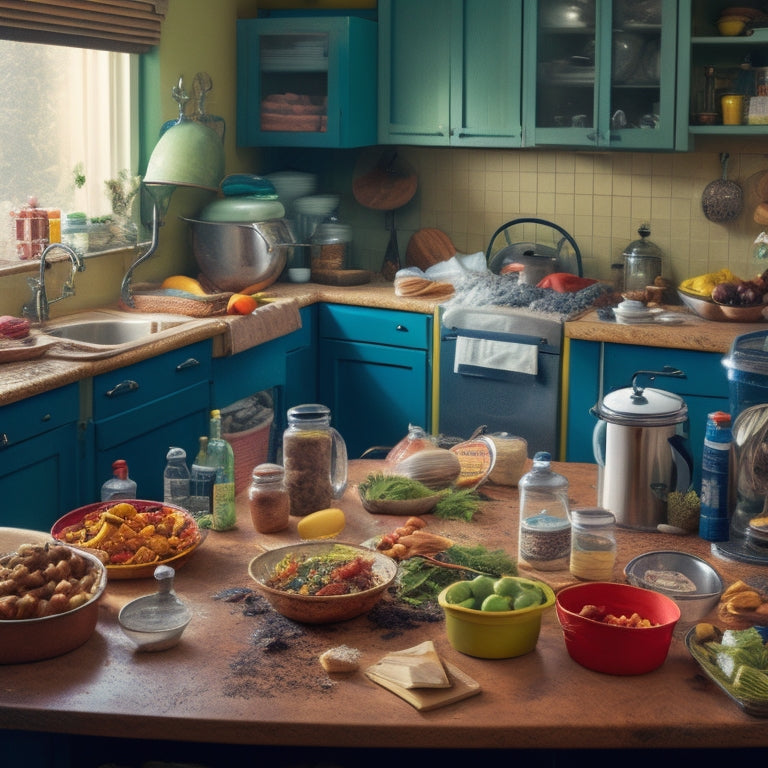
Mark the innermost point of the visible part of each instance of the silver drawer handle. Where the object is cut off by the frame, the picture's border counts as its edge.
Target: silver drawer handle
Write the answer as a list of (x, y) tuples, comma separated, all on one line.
[(4, 441), (401, 328), (190, 362), (123, 388)]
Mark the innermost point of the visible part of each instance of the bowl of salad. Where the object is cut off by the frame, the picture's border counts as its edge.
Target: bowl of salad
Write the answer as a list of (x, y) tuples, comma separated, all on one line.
[(322, 582)]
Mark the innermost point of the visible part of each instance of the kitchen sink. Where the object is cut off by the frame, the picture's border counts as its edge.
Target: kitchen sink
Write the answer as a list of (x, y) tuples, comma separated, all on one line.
[(103, 333)]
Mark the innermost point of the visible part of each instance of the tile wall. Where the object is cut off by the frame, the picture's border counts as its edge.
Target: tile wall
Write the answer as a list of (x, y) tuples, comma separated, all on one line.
[(599, 198)]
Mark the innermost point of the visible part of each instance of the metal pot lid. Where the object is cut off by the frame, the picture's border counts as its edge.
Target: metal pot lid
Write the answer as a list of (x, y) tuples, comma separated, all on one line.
[(634, 406), (242, 209)]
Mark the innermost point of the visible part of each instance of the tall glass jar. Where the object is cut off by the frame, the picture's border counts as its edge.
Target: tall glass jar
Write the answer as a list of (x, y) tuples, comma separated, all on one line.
[(545, 530), (315, 459)]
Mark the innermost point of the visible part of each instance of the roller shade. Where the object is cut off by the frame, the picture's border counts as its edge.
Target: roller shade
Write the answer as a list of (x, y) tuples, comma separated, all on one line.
[(128, 26)]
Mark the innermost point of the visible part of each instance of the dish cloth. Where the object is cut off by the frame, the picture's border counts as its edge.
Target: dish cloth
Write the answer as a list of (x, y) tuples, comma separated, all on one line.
[(496, 355)]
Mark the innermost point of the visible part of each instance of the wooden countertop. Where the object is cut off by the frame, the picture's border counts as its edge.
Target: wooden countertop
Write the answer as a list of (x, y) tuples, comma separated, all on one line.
[(245, 679), (694, 333)]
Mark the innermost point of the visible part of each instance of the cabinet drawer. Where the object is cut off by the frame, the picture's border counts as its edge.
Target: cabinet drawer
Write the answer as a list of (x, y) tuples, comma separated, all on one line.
[(39, 414), (126, 388), (705, 374), (376, 326)]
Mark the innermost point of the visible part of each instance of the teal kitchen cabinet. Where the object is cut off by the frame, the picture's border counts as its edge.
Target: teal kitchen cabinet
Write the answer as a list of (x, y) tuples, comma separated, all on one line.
[(450, 72), (600, 74), (735, 62), (306, 82), (704, 388), (286, 365), (139, 411), (375, 373), (39, 459)]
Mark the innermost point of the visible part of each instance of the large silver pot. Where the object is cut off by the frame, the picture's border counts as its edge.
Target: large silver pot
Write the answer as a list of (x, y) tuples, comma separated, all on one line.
[(640, 455), (235, 256)]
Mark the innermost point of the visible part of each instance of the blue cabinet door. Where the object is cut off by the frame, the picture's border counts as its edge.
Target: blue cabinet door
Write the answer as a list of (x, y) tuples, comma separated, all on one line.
[(602, 76), (374, 392), (40, 457), (450, 72), (306, 82)]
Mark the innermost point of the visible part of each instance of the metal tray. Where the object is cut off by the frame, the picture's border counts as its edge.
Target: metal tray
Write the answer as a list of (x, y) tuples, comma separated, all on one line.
[(755, 707)]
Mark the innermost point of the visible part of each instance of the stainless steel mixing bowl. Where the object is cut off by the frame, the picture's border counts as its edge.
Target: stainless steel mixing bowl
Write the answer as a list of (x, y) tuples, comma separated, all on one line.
[(235, 256)]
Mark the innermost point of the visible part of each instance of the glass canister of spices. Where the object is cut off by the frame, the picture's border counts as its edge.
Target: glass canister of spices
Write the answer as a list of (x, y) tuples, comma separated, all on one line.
[(314, 458), (593, 544), (268, 498), (330, 247), (545, 530)]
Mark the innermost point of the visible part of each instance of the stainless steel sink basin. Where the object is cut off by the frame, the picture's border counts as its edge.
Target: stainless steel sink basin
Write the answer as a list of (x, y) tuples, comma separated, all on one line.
[(105, 332)]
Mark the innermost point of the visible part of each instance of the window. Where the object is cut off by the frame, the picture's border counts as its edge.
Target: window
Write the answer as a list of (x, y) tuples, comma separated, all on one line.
[(66, 112)]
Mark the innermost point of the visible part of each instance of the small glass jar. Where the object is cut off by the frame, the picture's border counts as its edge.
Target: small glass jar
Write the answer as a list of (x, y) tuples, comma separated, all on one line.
[(268, 499), (593, 544), (74, 232), (330, 247)]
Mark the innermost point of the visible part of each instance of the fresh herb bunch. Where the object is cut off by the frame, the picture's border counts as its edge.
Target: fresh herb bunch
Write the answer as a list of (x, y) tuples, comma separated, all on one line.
[(455, 504), (422, 581)]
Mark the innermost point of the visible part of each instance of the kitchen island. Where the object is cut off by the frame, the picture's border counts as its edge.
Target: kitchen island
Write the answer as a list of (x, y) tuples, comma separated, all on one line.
[(242, 681)]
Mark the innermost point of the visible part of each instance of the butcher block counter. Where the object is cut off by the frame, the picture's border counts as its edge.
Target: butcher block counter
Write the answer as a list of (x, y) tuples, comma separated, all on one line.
[(243, 679)]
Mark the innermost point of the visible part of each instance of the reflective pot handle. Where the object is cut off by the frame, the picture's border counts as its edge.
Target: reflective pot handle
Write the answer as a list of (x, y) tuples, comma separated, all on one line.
[(598, 442), (683, 463), (338, 465)]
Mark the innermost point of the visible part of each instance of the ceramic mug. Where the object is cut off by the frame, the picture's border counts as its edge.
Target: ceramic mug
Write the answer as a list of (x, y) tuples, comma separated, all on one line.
[(733, 107)]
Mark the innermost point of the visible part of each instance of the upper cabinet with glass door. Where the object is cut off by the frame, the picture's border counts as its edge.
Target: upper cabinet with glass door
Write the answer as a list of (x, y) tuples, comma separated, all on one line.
[(450, 72), (306, 82), (601, 74)]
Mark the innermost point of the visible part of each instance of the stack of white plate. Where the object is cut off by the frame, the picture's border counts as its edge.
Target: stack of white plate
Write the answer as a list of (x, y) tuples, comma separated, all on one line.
[(310, 211), (291, 185)]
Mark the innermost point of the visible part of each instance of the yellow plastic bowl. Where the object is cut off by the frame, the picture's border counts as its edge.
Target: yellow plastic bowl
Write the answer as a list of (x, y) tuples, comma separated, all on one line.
[(495, 634), (731, 27)]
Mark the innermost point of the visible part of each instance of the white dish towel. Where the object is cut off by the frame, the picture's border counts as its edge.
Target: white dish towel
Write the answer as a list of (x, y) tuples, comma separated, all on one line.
[(496, 355)]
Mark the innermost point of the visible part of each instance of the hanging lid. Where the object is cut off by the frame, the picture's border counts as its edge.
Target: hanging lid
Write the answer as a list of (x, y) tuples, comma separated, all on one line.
[(634, 406), (643, 248)]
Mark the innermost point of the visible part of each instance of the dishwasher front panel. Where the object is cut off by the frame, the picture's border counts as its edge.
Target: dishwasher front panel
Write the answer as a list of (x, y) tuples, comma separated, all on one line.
[(521, 404)]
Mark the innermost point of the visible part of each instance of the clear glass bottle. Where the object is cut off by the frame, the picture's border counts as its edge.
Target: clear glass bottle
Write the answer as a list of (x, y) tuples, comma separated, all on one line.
[(545, 531), (315, 459), (119, 486), (268, 498), (202, 479), (593, 544), (176, 478), (221, 456)]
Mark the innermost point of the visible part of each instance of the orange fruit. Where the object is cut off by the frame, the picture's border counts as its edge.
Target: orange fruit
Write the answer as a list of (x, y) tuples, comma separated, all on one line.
[(241, 304)]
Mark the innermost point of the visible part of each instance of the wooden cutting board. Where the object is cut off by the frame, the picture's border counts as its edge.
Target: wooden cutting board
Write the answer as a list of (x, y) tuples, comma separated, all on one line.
[(427, 247)]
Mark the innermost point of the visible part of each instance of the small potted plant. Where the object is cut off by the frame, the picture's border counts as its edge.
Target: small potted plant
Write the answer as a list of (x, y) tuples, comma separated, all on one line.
[(122, 191)]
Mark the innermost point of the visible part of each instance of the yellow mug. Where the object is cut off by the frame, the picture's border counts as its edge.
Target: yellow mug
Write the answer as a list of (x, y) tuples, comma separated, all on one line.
[(733, 108)]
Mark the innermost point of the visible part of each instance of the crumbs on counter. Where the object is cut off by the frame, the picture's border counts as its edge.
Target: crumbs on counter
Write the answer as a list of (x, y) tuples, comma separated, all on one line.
[(282, 655)]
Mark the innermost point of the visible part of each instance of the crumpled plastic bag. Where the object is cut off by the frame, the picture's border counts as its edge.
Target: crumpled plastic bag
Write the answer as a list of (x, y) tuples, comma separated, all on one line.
[(448, 271)]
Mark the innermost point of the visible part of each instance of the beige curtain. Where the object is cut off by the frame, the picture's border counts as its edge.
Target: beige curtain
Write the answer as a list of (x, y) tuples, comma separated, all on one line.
[(129, 26)]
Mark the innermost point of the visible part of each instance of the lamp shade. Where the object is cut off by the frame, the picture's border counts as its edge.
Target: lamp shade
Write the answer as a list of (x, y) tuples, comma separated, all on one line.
[(187, 154)]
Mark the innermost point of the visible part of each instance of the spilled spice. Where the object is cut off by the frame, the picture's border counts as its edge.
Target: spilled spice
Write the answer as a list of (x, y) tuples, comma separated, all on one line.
[(284, 654)]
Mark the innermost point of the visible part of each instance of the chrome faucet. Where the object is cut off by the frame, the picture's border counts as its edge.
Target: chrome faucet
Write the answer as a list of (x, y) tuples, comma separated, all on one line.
[(37, 309)]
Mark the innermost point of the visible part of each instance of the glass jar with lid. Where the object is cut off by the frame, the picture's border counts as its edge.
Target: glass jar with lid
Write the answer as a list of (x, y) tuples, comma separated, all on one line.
[(593, 544), (330, 245), (642, 261), (268, 498)]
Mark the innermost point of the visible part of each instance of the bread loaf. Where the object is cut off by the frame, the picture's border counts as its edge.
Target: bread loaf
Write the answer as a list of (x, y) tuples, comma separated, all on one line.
[(342, 658)]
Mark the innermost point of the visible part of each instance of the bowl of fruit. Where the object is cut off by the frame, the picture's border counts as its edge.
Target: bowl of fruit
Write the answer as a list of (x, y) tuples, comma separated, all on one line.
[(730, 300), (495, 618)]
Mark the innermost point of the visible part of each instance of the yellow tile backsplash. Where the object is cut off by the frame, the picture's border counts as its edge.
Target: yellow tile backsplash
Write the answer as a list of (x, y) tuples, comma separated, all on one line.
[(601, 199)]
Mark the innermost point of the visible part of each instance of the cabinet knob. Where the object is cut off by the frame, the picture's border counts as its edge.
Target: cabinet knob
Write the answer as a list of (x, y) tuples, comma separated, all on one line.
[(123, 388), (190, 362), (401, 328), (4, 441)]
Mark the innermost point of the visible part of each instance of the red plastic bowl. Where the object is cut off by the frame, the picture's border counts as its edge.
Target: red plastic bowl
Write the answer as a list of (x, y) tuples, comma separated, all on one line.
[(606, 647)]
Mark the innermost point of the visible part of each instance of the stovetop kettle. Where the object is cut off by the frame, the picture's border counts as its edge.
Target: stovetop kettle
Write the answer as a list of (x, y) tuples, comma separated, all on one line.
[(641, 456)]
